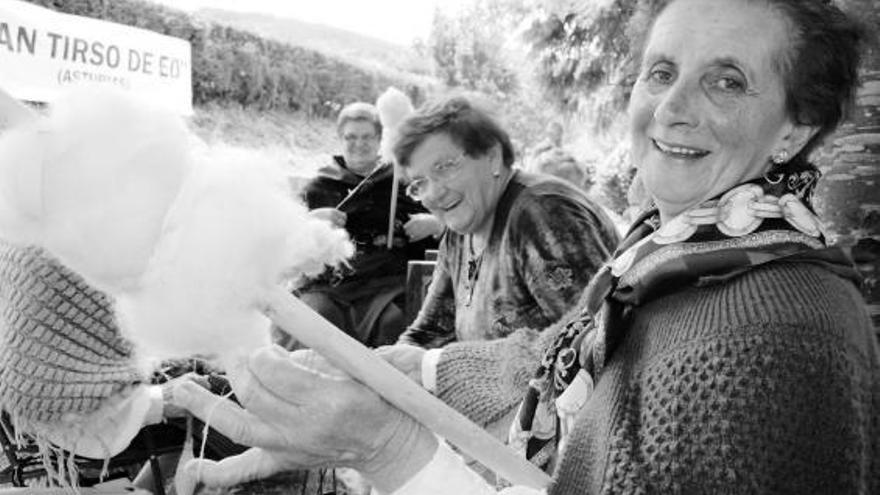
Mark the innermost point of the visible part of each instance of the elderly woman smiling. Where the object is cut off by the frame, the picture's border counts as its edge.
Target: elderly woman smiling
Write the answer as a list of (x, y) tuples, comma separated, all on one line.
[(725, 349), (520, 250)]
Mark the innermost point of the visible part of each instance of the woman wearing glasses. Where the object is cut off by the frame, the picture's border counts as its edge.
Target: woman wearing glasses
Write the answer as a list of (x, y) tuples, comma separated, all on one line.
[(353, 191), (517, 255)]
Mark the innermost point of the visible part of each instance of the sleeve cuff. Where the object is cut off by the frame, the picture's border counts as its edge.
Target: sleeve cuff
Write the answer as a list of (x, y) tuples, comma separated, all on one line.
[(157, 405), (107, 431), (429, 369), (445, 473)]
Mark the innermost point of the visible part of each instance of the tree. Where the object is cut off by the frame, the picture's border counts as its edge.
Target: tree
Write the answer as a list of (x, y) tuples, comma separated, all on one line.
[(467, 48), (586, 51)]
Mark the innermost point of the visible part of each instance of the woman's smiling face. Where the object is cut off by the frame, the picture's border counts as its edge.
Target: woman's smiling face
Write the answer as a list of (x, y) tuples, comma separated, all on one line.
[(708, 109), (465, 201)]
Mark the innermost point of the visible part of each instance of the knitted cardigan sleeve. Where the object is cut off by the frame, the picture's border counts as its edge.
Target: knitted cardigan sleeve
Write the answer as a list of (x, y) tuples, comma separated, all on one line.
[(486, 380), (66, 373)]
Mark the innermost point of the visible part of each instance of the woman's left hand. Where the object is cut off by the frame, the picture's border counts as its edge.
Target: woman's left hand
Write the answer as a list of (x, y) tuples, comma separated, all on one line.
[(406, 358), (422, 225), (301, 412)]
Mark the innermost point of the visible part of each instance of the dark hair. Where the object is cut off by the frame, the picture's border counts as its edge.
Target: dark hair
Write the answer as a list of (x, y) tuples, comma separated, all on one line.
[(469, 126), (359, 111), (819, 68)]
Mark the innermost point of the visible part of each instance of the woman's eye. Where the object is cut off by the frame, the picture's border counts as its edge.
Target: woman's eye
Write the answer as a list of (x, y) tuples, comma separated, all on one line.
[(727, 84), (444, 168), (660, 76)]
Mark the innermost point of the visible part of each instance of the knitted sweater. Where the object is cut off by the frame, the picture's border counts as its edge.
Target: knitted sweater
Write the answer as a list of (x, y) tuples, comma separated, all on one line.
[(768, 383)]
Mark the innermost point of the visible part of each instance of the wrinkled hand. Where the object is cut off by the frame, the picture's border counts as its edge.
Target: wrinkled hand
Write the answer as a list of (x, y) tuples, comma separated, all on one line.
[(301, 412), (422, 225), (332, 215), (406, 358)]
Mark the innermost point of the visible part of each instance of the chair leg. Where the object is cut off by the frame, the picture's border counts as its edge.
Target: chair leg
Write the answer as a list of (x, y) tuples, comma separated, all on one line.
[(10, 449), (158, 480)]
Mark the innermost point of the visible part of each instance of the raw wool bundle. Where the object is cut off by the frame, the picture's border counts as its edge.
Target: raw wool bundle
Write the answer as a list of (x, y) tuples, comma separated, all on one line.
[(232, 232), (393, 107), (186, 242), (93, 182)]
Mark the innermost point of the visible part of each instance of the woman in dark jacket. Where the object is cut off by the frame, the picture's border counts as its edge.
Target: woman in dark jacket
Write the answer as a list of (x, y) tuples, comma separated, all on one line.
[(365, 299)]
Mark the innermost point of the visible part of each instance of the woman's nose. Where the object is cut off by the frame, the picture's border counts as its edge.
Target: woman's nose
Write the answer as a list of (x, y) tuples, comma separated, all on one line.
[(678, 106), (432, 194)]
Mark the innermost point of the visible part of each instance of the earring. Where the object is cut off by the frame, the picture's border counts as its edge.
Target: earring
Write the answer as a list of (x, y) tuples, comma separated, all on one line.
[(779, 157), (496, 174)]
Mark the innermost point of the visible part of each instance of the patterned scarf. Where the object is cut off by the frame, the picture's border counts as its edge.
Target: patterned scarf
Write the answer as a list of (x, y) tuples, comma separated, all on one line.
[(749, 226)]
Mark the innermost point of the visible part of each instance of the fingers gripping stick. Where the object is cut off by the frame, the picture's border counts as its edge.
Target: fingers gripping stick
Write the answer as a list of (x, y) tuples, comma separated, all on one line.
[(349, 355)]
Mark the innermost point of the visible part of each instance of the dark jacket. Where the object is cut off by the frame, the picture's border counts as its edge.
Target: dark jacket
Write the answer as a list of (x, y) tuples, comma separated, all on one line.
[(367, 224)]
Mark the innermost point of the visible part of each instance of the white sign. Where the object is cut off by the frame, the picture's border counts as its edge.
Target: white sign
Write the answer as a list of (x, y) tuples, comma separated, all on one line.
[(44, 52)]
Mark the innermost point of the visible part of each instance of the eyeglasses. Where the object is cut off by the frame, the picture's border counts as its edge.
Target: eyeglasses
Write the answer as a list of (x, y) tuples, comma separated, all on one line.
[(364, 138), (441, 172)]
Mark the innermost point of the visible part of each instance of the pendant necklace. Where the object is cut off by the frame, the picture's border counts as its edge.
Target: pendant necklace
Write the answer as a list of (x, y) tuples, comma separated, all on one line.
[(474, 262)]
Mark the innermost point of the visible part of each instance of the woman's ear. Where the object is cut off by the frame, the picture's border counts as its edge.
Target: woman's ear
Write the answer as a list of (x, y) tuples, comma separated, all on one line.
[(496, 153), (798, 137)]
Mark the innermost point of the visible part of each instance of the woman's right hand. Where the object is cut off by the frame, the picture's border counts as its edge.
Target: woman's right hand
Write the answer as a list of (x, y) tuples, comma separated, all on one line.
[(332, 215), (301, 412)]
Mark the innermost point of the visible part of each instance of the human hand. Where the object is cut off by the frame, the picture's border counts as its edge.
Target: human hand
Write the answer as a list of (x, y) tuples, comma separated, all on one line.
[(332, 215), (301, 412), (169, 408), (422, 225), (406, 358)]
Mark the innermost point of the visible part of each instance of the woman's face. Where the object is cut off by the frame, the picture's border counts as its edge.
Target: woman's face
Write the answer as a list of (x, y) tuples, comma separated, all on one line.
[(465, 199), (708, 109), (360, 146)]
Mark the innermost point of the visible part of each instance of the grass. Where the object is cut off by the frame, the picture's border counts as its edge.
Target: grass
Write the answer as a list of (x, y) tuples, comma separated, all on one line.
[(290, 138)]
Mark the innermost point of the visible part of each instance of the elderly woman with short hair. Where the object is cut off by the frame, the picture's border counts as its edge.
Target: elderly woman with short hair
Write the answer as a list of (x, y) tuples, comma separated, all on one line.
[(519, 250), (353, 191)]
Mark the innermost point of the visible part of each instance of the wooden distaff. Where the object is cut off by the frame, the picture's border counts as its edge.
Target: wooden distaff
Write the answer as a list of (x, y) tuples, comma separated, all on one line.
[(310, 328), (395, 185)]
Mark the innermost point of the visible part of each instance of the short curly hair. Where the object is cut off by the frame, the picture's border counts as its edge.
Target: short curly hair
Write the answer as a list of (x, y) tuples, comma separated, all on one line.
[(359, 111), (469, 125)]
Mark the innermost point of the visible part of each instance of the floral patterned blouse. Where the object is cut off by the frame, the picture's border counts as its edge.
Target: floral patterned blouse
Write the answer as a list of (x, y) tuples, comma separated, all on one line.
[(547, 241)]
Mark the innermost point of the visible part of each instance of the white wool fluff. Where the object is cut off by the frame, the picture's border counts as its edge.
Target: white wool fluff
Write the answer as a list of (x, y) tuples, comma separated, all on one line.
[(21, 209), (92, 183), (186, 242), (393, 107), (234, 232), (12, 111)]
